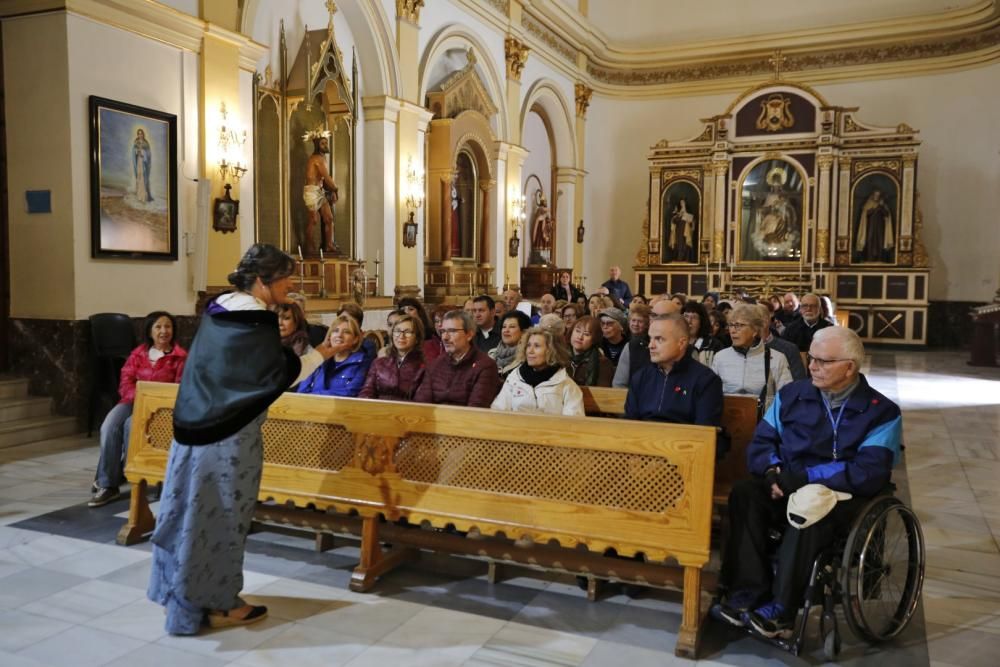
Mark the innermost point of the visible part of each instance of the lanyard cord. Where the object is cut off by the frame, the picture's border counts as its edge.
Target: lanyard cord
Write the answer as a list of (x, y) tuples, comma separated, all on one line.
[(835, 423)]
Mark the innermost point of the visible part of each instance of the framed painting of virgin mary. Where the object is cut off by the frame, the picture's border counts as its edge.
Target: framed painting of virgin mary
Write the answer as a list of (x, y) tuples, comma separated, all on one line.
[(771, 213)]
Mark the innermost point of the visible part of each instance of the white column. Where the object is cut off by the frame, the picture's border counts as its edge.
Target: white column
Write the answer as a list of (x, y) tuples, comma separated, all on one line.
[(377, 232), (565, 224)]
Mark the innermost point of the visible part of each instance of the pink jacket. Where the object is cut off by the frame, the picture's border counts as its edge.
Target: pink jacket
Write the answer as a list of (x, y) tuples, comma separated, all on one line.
[(167, 368)]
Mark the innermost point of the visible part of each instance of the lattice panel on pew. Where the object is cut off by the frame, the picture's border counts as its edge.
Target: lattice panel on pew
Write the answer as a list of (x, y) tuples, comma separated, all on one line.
[(307, 444), (160, 429), (613, 479)]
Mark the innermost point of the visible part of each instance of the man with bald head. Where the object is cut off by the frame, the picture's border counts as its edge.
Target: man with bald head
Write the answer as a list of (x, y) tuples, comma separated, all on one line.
[(834, 431), (674, 387), (636, 353), (801, 330)]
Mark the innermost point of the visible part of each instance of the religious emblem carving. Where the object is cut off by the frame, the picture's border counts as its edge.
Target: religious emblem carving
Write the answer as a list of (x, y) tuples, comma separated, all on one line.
[(517, 55), (375, 454), (775, 113)]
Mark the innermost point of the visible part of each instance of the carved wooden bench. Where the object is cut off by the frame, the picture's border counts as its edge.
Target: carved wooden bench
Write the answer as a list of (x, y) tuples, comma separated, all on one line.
[(556, 492)]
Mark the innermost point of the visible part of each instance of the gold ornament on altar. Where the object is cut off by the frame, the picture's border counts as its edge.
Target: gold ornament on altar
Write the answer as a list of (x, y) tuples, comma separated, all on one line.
[(775, 113), (316, 133)]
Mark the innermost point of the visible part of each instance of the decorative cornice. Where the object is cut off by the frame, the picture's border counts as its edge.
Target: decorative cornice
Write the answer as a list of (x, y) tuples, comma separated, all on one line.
[(517, 55), (560, 45), (409, 10), (502, 6), (583, 93)]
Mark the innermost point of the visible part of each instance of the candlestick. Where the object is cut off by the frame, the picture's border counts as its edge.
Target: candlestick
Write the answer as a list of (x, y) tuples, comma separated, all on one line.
[(300, 253), (378, 255)]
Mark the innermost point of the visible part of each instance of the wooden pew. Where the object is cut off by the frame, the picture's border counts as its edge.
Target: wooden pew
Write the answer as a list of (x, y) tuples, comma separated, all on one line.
[(739, 419), (547, 490)]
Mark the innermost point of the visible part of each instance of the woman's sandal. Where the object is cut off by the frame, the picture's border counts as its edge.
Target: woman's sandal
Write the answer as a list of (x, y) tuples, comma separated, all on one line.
[(225, 619)]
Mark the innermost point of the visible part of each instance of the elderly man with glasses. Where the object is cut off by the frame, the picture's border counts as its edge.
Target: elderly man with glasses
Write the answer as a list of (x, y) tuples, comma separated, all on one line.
[(833, 430), (801, 330)]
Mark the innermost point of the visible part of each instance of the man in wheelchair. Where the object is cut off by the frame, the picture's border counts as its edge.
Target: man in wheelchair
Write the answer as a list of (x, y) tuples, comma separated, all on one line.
[(832, 430)]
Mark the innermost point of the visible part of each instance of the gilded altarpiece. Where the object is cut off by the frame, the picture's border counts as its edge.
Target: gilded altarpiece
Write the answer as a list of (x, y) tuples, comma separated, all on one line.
[(461, 187), (313, 98), (784, 191)]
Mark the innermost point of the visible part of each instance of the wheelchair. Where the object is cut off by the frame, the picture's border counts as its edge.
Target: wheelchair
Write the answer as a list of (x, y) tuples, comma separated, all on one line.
[(876, 574)]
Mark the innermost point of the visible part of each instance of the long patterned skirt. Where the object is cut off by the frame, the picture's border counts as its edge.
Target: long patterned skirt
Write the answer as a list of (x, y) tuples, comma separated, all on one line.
[(206, 508)]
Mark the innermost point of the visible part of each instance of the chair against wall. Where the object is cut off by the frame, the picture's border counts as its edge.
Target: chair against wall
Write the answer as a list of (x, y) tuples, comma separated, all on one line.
[(112, 339)]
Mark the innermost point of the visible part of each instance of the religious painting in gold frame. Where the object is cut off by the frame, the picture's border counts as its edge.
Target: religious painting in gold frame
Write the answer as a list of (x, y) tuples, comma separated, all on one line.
[(875, 219), (680, 206), (771, 213)]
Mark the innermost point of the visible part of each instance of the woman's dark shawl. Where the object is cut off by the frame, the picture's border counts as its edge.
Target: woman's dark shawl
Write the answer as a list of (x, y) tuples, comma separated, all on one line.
[(235, 369)]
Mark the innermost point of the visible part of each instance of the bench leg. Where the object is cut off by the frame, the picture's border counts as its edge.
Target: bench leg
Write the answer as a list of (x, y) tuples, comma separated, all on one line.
[(593, 588), (689, 634), (374, 561), (493, 574), (324, 542), (141, 521)]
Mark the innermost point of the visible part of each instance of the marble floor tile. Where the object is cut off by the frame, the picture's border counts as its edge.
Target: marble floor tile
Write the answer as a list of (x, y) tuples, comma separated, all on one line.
[(10, 536), (577, 615), (432, 627), (98, 561), (13, 660), (977, 562), (939, 582), (961, 646), (87, 646), (83, 602), (381, 655), (301, 646), (31, 584), (965, 612), (370, 617), (228, 644), (20, 629), (141, 619), (49, 548), (610, 653), (518, 644), (135, 574), (154, 655)]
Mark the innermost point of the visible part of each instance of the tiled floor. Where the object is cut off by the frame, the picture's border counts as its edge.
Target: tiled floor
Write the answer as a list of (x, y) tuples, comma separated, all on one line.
[(70, 596)]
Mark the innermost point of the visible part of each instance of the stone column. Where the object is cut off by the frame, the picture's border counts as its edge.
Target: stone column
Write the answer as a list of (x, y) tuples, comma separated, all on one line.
[(582, 96)]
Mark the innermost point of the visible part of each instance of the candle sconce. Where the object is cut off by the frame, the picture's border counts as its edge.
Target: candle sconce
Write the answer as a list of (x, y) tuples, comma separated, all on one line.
[(518, 207), (414, 200)]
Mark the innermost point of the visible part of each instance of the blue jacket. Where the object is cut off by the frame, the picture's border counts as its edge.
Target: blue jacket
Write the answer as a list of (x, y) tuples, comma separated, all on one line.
[(689, 394), (338, 379), (797, 432)]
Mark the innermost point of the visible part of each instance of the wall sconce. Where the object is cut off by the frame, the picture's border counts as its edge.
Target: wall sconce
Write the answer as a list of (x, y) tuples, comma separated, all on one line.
[(518, 208), (413, 200), (579, 233), (231, 141)]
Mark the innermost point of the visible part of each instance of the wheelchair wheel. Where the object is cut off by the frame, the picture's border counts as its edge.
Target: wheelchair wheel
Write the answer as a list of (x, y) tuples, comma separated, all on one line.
[(882, 571)]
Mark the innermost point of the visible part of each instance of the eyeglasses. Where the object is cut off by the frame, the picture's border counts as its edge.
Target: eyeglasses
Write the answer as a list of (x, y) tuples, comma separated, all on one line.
[(737, 326), (403, 332), (452, 332), (822, 363), (809, 306)]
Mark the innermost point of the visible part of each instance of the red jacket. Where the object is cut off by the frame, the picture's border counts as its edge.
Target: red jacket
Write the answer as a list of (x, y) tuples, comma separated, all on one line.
[(432, 348), (167, 368), (474, 381), (391, 381)]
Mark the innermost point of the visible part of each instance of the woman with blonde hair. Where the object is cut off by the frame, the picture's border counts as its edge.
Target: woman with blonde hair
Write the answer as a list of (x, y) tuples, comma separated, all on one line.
[(540, 382), (344, 373)]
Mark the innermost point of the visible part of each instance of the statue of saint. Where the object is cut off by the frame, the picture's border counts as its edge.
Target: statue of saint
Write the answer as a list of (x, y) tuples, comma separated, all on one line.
[(681, 229), (876, 239), (541, 230), (320, 193)]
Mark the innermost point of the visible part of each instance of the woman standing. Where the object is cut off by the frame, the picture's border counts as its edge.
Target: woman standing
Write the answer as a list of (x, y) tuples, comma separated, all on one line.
[(216, 459), (397, 375), (158, 359), (540, 383)]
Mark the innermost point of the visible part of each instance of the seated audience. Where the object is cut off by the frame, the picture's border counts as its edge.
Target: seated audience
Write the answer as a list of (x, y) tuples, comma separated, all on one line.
[(463, 375), (718, 327), (638, 299), (512, 326), (582, 301), (390, 320), (344, 373), (539, 382), (469, 306), (588, 365), (828, 312), (546, 305), (680, 299), (487, 328), (636, 353), (397, 375), (598, 302), (511, 297), (293, 327), (570, 314), (565, 289), (834, 430), (789, 311), (613, 323), (710, 300), (157, 359), (370, 346), (749, 367), (674, 388), (801, 329), (787, 348), (432, 345), (699, 328)]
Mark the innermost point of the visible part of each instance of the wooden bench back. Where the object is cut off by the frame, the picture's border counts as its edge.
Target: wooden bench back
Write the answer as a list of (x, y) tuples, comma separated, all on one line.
[(538, 476), (739, 419)]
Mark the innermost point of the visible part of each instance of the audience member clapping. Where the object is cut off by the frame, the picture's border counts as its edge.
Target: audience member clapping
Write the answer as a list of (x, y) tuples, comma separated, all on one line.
[(540, 383)]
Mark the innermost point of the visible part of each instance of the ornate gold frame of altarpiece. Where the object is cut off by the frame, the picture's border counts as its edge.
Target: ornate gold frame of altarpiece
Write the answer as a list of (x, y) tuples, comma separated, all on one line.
[(766, 185)]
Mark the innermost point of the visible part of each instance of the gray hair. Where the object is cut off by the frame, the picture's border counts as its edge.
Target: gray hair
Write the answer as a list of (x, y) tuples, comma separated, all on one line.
[(467, 323), (675, 320), (850, 343), (751, 314)]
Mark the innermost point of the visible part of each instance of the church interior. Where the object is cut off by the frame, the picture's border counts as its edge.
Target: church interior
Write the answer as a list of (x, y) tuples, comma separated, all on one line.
[(443, 149)]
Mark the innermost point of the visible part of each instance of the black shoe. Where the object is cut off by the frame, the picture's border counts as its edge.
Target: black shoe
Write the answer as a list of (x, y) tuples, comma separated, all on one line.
[(770, 620), (733, 610), (104, 496)]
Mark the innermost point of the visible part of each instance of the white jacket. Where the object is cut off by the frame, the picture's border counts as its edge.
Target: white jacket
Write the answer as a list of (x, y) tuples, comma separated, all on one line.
[(745, 374), (558, 395)]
